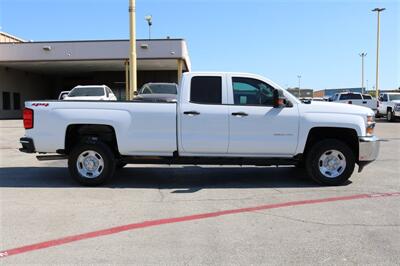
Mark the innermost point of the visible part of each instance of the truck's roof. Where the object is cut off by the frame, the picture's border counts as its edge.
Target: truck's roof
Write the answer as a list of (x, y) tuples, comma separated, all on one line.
[(219, 73)]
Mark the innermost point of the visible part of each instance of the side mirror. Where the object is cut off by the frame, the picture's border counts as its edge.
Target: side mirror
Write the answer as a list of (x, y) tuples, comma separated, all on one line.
[(278, 102)]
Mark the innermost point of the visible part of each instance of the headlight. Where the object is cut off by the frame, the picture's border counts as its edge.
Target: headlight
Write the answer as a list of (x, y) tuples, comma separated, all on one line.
[(370, 125)]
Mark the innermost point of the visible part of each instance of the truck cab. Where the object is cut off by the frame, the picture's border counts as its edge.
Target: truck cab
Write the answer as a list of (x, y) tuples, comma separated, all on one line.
[(239, 109)]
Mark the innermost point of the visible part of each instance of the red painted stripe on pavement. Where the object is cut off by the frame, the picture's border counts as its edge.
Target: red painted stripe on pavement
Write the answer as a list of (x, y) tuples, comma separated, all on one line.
[(133, 226)]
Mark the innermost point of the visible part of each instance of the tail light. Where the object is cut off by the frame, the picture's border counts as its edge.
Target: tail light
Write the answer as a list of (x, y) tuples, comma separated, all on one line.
[(28, 118)]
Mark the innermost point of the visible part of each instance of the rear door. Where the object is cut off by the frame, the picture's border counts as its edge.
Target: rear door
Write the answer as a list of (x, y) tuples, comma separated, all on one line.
[(256, 127), (203, 115)]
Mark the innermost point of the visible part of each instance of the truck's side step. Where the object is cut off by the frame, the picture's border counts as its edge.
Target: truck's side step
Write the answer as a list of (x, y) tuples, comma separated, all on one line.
[(209, 160), (51, 157)]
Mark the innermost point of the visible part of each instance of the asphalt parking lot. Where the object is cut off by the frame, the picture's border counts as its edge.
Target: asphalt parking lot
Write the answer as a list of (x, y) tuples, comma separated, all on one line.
[(197, 215)]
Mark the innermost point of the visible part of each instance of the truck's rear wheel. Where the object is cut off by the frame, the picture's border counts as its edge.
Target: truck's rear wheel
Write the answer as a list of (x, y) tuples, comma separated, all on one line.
[(120, 164), (91, 164), (330, 162)]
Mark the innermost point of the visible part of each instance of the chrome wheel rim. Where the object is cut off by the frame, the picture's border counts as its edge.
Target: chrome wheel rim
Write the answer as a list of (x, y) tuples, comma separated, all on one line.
[(332, 163), (90, 164)]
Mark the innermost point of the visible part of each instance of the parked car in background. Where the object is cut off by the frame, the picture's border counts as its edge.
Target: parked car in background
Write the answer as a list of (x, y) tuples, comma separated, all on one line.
[(62, 95), (91, 93), (389, 105), (356, 98), (157, 92)]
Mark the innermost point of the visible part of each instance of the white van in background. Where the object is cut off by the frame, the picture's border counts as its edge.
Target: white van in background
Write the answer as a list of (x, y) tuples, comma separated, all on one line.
[(91, 93), (62, 95)]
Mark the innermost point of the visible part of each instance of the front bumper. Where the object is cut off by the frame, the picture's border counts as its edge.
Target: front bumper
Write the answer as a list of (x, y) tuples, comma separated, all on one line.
[(368, 150), (27, 145), (396, 113)]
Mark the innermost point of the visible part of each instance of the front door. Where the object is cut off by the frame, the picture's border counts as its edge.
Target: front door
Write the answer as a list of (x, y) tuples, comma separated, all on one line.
[(256, 127)]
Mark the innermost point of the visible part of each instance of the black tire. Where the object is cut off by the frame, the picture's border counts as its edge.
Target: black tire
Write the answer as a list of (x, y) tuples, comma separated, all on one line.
[(323, 147), (300, 164), (120, 164), (389, 115), (107, 170)]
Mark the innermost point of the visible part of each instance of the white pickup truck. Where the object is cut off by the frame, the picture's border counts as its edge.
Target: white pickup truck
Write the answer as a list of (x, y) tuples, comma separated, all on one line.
[(389, 105), (356, 98), (219, 119)]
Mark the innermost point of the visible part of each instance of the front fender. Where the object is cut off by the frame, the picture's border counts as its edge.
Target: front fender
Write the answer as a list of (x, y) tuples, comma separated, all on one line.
[(313, 120)]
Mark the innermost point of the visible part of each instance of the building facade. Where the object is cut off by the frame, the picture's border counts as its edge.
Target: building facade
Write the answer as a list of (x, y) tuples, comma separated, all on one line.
[(41, 70), (5, 37), (302, 93)]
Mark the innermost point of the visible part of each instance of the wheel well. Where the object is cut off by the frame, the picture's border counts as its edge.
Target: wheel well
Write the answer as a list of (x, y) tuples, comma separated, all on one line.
[(90, 133), (346, 135)]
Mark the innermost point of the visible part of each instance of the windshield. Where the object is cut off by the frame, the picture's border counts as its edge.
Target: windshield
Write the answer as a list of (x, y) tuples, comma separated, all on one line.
[(394, 97), (86, 91), (158, 89)]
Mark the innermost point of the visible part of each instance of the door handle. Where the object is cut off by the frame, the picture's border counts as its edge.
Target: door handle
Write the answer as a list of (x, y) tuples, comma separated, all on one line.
[(239, 114), (364, 102), (191, 113)]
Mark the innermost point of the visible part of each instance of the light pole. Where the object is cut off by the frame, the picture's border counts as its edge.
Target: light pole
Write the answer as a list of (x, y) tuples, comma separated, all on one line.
[(362, 71), (149, 22), (378, 11), (132, 50), (299, 77)]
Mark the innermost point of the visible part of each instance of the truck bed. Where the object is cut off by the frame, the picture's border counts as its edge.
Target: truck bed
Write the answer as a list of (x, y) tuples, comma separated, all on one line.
[(141, 128)]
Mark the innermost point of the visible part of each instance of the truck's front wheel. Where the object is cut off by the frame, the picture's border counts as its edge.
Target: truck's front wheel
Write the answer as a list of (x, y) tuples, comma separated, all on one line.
[(330, 162), (389, 115), (91, 164)]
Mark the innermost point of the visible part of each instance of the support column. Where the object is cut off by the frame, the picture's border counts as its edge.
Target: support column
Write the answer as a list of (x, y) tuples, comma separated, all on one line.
[(180, 70), (132, 54), (127, 80)]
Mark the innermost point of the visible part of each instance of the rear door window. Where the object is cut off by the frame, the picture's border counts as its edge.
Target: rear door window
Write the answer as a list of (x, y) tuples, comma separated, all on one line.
[(206, 90)]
